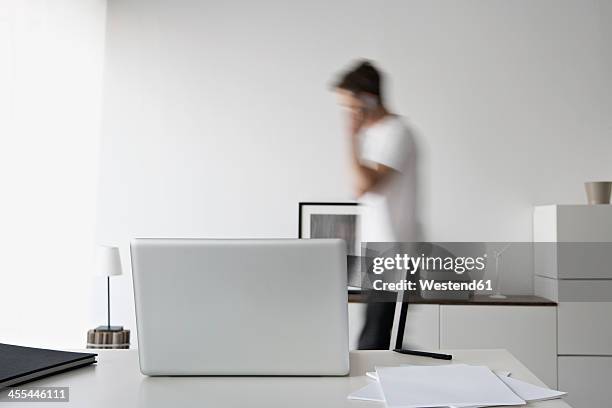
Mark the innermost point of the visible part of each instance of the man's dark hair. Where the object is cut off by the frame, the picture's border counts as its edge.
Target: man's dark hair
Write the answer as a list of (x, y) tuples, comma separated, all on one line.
[(362, 77)]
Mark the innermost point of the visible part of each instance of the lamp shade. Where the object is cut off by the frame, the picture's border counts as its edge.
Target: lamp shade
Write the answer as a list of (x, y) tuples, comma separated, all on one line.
[(108, 261)]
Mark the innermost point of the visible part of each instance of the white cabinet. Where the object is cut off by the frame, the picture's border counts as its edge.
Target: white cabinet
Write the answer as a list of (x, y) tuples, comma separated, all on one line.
[(585, 328), (573, 241), (573, 266), (572, 223), (528, 332), (586, 379)]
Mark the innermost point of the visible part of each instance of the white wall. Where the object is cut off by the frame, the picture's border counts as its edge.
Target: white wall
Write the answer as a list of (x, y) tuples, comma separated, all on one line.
[(50, 101), (218, 120)]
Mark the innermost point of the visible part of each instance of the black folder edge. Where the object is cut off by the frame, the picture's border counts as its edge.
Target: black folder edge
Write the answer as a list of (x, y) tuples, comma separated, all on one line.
[(46, 372), (89, 357)]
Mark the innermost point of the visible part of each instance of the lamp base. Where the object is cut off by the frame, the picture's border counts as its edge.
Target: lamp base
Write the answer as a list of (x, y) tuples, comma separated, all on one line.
[(105, 339), (106, 328)]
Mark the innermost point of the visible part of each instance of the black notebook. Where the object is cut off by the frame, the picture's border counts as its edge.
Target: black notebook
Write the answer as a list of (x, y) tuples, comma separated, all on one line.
[(21, 364)]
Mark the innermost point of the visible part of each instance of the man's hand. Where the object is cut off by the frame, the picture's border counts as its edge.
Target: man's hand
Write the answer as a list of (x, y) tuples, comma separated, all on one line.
[(368, 178), (356, 120)]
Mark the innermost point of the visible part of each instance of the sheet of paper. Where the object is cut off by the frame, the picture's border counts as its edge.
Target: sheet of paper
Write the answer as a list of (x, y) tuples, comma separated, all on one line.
[(530, 392), (370, 392), (499, 373), (453, 385), (525, 390)]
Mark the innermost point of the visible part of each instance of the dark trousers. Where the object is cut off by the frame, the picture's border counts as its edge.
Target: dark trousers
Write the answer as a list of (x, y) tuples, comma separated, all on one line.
[(376, 333)]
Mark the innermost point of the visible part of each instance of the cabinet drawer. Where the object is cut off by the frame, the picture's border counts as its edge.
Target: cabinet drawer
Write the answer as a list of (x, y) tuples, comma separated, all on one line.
[(586, 380), (572, 223), (573, 260), (579, 290), (573, 241), (585, 328)]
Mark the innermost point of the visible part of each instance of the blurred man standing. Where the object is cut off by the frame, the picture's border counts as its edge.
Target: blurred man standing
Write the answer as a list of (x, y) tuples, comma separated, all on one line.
[(383, 161)]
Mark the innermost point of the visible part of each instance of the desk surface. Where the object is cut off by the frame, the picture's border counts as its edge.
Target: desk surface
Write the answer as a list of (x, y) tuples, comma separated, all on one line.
[(116, 382)]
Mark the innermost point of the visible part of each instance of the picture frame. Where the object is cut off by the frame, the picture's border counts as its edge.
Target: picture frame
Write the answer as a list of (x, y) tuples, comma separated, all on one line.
[(335, 220), (330, 220)]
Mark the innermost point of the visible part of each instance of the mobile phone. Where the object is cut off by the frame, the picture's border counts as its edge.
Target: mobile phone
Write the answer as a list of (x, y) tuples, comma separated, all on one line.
[(369, 103)]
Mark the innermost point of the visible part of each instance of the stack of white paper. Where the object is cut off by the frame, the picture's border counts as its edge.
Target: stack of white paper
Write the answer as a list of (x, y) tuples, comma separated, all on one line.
[(456, 385), (530, 392)]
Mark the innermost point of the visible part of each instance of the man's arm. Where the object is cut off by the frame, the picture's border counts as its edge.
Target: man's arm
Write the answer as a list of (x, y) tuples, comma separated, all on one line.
[(366, 178)]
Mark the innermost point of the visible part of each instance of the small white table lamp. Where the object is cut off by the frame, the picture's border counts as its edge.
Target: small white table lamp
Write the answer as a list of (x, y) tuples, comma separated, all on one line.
[(108, 263)]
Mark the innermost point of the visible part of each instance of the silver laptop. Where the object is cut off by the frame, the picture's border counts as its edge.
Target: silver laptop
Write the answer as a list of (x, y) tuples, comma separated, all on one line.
[(241, 307)]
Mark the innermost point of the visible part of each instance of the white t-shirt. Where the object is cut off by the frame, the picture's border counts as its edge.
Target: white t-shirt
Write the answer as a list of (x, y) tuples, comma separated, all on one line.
[(389, 210)]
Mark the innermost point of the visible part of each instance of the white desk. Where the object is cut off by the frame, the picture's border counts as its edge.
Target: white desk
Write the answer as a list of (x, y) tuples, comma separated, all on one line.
[(116, 382)]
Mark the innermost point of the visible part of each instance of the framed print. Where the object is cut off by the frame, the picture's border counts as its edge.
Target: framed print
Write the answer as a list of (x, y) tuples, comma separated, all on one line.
[(334, 220), (331, 220)]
